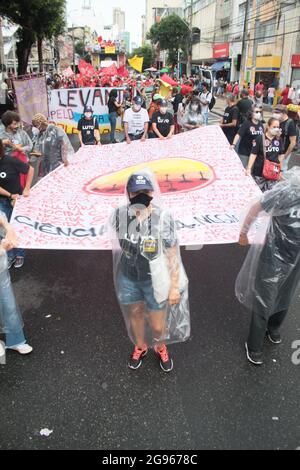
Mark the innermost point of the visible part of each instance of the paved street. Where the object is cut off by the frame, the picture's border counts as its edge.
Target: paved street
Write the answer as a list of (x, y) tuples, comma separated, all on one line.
[(76, 382)]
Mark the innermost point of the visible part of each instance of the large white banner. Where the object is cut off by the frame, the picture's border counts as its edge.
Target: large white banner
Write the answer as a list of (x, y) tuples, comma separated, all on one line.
[(202, 181), (66, 107)]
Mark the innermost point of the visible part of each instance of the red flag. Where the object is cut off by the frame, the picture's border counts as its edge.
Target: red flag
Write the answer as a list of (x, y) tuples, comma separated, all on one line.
[(110, 71), (165, 78), (123, 72), (85, 68)]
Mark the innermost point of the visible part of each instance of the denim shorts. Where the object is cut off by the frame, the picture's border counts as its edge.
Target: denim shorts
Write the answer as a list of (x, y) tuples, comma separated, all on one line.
[(130, 292)]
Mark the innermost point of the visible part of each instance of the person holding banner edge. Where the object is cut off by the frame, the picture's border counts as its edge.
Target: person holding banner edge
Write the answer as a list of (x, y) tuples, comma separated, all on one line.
[(10, 189), (88, 128)]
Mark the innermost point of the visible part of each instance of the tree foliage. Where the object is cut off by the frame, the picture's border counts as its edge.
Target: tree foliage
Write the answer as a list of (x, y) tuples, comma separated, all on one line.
[(170, 34), (38, 20)]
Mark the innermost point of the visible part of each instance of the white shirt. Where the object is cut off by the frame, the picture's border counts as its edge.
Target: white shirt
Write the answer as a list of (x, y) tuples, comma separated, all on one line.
[(205, 97), (271, 92), (136, 120)]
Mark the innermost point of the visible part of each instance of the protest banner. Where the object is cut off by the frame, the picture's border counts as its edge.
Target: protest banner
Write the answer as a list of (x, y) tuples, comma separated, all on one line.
[(66, 107), (31, 94), (202, 182)]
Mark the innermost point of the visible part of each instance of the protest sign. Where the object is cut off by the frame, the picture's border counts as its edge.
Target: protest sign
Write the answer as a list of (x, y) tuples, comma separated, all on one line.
[(32, 97), (66, 107)]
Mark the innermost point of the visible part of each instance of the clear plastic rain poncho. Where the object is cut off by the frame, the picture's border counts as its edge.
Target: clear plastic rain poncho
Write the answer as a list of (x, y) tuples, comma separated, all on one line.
[(54, 146), (10, 315), (270, 275), (192, 115), (147, 267)]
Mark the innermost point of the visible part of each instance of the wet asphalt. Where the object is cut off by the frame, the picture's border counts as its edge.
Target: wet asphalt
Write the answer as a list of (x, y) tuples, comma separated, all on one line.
[(76, 382)]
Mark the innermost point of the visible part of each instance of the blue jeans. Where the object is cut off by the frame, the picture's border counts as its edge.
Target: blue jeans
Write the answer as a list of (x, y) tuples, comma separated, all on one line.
[(270, 100), (205, 117), (113, 123), (10, 317), (285, 164), (131, 292), (6, 208)]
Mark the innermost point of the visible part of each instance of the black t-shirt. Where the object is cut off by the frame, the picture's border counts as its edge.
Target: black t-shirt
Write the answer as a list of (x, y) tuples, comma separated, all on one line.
[(288, 128), (273, 150), (163, 122), (177, 100), (10, 169), (112, 108), (139, 248), (87, 128), (248, 133), (231, 114), (244, 106)]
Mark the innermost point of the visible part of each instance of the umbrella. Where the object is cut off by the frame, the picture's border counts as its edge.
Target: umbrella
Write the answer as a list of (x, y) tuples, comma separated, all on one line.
[(151, 69), (165, 70)]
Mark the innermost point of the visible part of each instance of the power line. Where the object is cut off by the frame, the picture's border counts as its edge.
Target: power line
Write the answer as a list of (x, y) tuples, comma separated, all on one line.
[(267, 11), (257, 39), (231, 37)]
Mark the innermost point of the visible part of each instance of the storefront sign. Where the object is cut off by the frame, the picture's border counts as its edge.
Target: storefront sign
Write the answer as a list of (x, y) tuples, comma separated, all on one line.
[(296, 60), (221, 50)]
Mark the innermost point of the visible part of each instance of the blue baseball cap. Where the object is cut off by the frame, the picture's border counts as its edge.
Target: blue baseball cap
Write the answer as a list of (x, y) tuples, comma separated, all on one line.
[(137, 182), (138, 100)]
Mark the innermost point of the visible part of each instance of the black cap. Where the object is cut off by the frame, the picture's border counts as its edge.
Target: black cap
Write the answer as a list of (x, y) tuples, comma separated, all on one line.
[(163, 103), (88, 109), (138, 100), (137, 182)]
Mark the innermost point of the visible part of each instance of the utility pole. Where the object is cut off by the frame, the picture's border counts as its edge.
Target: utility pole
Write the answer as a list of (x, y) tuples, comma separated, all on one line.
[(255, 45), (244, 49), (190, 42), (73, 39), (1, 44)]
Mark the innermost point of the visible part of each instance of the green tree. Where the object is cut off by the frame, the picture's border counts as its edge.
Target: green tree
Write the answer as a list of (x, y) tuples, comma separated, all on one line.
[(80, 48), (170, 34), (147, 52), (38, 20)]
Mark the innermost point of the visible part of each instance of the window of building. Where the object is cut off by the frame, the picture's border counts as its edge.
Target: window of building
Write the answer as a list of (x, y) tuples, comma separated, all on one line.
[(266, 29)]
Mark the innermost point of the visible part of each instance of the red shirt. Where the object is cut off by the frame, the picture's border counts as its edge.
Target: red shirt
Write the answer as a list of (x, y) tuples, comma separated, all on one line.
[(259, 87), (284, 95)]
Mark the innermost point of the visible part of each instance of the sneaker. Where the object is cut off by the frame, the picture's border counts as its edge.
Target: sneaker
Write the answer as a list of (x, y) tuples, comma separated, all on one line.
[(136, 358), (254, 357), (19, 261), (275, 338), (166, 363), (10, 262), (21, 348)]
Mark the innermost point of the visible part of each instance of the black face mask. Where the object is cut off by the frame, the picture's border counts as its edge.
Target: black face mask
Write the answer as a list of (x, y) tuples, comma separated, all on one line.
[(141, 199)]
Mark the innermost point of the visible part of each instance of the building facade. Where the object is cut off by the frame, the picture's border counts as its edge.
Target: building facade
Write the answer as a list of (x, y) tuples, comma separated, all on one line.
[(157, 9), (246, 41), (119, 19)]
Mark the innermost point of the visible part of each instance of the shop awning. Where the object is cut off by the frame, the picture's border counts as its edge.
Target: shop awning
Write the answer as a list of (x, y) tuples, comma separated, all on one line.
[(220, 65)]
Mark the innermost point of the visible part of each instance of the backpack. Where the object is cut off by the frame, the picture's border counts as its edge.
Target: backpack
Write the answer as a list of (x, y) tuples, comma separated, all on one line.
[(212, 102)]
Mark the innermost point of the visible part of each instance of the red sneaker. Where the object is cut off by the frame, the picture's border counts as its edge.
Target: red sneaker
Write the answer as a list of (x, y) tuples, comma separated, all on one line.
[(137, 356), (166, 362)]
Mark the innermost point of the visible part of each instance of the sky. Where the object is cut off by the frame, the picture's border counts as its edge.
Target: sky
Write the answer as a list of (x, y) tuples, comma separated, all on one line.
[(134, 9)]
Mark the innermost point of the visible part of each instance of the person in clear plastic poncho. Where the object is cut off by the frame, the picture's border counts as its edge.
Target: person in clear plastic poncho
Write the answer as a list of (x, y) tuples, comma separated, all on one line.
[(150, 281), (270, 274), (11, 323), (51, 145)]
